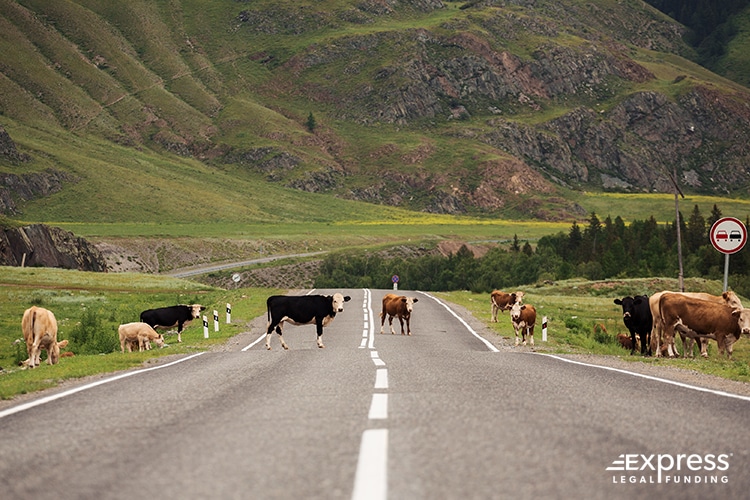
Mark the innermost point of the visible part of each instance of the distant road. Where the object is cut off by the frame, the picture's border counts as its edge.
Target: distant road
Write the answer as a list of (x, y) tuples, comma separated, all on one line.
[(184, 273)]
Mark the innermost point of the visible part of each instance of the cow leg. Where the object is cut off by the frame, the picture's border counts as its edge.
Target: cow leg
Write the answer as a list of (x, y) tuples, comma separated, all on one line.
[(390, 323), (632, 342), (319, 328), (401, 320), (493, 313), (531, 335), (269, 334), (179, 332), (704, 347), (687, 346), (517, 342), (36, 355), (382, 321), (408, 326)]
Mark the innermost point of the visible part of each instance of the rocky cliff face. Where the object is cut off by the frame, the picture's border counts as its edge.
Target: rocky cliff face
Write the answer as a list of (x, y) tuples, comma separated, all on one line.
[(45, 246)]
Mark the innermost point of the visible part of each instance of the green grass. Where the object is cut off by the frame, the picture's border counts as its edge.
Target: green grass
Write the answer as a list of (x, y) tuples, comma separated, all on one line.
[(116, 299), (577, 310)]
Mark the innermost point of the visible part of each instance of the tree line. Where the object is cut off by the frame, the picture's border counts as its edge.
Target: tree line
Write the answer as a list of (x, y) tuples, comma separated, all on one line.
[(597, 250)]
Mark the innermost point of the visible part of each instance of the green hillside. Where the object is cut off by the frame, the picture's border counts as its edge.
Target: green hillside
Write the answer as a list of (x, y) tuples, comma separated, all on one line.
[(177, 112)]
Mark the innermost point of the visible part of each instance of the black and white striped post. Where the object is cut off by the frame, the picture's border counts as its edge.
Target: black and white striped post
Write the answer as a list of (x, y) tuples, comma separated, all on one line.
[(544, 329), (216, 320), (229, 313), (205, 327)]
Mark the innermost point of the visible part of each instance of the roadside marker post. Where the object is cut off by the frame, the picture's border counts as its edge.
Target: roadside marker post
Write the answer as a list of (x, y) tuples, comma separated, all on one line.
[(205, 327), (216, 320), (395, 281), (544, 329), (229, 313)]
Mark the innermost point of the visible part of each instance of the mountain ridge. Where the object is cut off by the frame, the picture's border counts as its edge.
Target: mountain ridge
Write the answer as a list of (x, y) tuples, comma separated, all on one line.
[(429, 105)]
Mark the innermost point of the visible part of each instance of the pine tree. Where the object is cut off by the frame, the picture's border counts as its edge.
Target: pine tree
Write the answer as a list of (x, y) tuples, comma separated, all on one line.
[(310, 123)]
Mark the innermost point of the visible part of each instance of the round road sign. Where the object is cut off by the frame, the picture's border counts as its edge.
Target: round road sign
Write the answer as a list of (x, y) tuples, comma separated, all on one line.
[(395, 278), (728, 235)]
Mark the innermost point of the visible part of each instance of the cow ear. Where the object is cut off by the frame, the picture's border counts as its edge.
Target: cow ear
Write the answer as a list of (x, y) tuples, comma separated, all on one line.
[(415, 300), (637, 301), (403, 299), (618, 302), (347, 298)]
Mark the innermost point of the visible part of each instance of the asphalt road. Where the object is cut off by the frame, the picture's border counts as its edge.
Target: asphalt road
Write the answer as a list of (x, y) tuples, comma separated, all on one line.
[(442, 414)]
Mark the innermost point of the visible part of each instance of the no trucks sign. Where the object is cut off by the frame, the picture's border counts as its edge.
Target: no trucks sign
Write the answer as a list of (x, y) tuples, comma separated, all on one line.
[(728, 235)]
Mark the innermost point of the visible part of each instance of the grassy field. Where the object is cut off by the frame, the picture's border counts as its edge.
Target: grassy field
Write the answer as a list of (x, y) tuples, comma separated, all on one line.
[(582, 318), (573, 308)]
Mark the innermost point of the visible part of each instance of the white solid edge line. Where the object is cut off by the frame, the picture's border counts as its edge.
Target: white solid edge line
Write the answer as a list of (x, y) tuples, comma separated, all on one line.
[(371, 479), (471, 330), (48, 399), (649, 377)]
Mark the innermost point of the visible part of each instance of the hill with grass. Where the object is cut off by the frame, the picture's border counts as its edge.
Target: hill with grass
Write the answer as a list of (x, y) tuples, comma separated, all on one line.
[(151, 111)]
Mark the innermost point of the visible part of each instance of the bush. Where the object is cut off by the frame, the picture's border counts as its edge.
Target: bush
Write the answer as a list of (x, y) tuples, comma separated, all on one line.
[(91, 336)]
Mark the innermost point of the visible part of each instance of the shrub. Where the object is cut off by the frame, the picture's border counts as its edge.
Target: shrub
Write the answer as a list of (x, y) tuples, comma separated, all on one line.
[(90, 336)]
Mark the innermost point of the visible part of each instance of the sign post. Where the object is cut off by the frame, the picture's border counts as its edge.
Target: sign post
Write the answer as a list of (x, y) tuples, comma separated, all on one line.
[(395, 281), (728, 235)]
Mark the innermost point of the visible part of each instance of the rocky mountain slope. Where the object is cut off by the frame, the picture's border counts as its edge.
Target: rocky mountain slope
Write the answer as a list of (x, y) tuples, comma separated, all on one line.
[(481, 106)]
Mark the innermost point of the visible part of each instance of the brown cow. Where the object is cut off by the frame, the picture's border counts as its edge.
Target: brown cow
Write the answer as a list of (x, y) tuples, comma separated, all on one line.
[(141, 333), (397, 306), (39, 328), (728, 298), (502, 301), (523, 317), (702, 318)]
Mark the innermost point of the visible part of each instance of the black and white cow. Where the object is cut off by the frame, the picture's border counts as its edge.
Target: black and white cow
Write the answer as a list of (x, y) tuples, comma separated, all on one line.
[(169, 317), (636, 314), (302, 310)]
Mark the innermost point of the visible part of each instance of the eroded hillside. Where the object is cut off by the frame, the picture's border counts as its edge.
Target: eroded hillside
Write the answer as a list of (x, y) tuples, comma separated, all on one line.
[(448, 107)]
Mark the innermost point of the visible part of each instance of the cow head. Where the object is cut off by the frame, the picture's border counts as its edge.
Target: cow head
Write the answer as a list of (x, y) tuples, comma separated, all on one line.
[(743, 318), (54, 351), (409, 303), (628, 306), (195, 310), (338, 300), (518, 297), (159, 340), (732, 300), (515, 311)]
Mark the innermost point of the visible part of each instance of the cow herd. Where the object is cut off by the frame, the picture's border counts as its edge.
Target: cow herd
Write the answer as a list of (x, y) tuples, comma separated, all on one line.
[(651, 320), (39, 327), (697, 317)]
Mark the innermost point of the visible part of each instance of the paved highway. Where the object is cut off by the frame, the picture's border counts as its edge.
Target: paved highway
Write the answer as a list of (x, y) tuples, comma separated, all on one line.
[(443, 414)]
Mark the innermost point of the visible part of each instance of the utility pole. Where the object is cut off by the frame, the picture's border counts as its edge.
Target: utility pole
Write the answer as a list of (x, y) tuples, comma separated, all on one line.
[(677, 190)]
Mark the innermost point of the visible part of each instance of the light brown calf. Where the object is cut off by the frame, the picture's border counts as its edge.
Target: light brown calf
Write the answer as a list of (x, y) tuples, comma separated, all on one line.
[(397, 306), (143, 334), (39, 328)]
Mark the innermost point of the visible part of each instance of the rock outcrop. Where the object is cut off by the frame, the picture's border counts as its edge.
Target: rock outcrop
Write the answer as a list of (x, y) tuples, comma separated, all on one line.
[(40, 245)]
